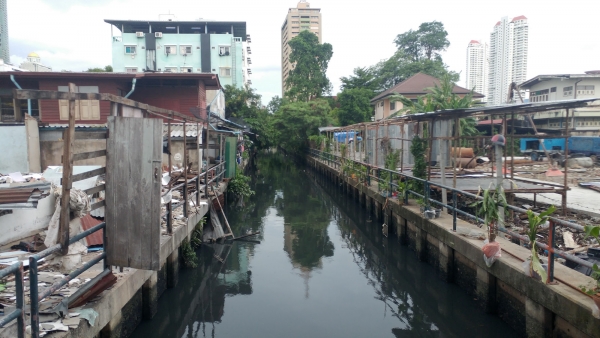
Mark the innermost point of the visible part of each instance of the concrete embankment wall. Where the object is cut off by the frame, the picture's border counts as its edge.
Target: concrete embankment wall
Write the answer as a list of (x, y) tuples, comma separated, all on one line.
[(532, 308)]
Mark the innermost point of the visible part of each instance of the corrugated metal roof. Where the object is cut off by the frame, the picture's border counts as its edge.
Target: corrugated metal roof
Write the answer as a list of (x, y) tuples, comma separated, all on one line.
[(17, 195), (177, 129), (97, 238)]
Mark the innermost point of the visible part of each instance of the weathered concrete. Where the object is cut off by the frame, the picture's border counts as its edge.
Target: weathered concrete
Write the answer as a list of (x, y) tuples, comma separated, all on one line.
[(173, 269), (150, 296), (527, 305)]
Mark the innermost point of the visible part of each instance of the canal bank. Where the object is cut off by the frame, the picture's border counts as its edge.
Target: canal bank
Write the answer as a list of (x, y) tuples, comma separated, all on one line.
[(322, 269), (528, 306)]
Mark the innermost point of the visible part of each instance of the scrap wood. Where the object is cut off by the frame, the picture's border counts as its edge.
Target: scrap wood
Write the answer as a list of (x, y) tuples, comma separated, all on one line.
[(247, 235)]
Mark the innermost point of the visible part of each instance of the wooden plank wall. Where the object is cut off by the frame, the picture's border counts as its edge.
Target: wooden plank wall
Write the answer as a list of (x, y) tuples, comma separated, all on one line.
[(134, 157)]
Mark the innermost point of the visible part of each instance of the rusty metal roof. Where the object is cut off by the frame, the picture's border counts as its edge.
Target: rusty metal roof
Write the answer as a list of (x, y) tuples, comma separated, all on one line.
[(16, 195), (88, 222)]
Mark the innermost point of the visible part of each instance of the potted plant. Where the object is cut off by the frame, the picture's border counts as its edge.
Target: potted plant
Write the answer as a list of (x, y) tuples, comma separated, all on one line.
[(421, 204), (536, 269), (492, 207), (594, 292)]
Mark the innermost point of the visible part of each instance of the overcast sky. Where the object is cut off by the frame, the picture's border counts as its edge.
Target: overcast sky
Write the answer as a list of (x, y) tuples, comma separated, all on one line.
[(72, 35)]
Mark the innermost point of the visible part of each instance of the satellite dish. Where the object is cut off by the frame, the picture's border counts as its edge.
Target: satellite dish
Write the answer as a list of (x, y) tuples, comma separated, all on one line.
[(498, 140)]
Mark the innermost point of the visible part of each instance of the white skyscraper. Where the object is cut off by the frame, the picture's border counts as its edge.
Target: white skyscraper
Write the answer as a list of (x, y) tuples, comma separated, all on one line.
[(508, 57), (477, 67)]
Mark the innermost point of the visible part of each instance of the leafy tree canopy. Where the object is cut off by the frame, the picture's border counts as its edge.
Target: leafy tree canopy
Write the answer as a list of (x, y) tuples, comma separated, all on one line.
[(308, 79), (355, 106), (425, 43), (274, 104), (241, 102), (294, 122), (107, 69), (363, 78)]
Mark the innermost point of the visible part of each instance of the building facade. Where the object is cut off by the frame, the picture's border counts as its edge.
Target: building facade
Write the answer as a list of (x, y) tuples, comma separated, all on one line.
[(557, 87), (297, 19), (34, 64), (477, 66), (411, 88), (507, 57), (217, 47), (4, 50)]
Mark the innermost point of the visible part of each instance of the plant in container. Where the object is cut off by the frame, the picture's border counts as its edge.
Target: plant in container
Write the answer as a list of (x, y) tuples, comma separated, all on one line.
[(535, 221), (492, 207), (594, 291)]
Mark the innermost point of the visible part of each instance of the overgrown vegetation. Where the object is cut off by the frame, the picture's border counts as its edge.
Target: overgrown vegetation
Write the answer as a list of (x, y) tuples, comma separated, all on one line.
[(417, 149), (239, 185), (190, 259), (594, 232), (534, 223), (492, 208)]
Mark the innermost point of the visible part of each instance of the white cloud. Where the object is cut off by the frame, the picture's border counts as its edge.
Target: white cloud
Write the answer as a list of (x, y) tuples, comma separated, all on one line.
[(72, 35)]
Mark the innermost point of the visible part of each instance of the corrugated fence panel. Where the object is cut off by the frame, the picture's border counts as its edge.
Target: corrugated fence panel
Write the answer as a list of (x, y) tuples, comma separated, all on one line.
[(133, 192)]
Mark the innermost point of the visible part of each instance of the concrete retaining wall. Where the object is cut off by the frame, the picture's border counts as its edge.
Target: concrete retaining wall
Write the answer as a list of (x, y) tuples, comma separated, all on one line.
[(533, 309)]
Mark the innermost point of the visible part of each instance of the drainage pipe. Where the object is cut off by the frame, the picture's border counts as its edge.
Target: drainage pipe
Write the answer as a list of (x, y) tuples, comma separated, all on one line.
[(132, 88)]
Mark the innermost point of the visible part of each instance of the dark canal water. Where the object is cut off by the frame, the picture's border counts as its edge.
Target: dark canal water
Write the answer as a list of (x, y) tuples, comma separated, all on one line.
[(322, 269)]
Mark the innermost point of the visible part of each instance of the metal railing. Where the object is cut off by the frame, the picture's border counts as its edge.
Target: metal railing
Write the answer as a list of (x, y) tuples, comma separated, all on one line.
[(366, 172), (219, 172), (19, 313)]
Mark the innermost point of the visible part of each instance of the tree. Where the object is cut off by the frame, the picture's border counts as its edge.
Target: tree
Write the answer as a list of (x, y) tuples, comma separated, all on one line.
[(401, 66), (241, 102), (363, 78), (355, 106), (294, 122), (274, 104), (424, 43), (308, 79), (106, 69)]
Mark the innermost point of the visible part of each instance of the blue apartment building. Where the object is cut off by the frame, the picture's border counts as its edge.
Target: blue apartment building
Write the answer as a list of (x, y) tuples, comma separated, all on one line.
[(217, 47)]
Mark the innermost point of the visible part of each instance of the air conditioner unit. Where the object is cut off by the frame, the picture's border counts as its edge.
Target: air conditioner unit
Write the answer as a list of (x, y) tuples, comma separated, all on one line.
[(158, 34), (139, 34)]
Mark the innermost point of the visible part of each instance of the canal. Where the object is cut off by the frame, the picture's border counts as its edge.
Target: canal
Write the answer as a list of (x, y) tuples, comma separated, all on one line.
[(322, 269)]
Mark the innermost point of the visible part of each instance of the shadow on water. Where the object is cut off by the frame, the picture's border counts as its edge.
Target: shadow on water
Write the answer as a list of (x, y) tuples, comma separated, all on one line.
[(337, 275)]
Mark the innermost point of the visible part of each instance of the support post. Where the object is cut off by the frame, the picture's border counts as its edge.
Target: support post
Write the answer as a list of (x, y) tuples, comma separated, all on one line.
[(65, 211), (499, 179), (566, 187), (185, 172), (170, 204)]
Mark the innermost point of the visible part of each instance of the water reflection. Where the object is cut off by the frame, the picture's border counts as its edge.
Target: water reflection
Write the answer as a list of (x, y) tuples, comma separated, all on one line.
[(361, 283)]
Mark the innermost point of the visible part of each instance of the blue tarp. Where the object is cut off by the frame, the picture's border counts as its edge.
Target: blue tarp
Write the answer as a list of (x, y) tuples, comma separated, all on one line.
[(341, 136)]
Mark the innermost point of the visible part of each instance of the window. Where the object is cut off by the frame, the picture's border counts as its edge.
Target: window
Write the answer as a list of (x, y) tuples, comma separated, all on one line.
[(183, 50), (186, 69), (170, 69), (314, 17), (130, 50), (553, 90), (224, 50), (84, 109), (130, 69), (225, 71), (170, 50), (392, 106)]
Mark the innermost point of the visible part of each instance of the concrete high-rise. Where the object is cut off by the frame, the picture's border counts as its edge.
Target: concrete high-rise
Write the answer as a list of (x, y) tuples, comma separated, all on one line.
[(4, 51), (477, 66), (298, 19), (508, 57)]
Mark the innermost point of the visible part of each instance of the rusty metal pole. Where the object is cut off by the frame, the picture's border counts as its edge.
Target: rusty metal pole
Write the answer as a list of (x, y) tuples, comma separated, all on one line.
[(512, 145), (429, 152), (65, 199), (170, 204), (456, 147), (505, 132), (185, 172), (565, 182), (198, 133)]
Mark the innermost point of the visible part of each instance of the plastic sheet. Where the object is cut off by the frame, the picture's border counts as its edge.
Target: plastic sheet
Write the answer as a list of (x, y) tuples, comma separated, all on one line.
[(491, 253)]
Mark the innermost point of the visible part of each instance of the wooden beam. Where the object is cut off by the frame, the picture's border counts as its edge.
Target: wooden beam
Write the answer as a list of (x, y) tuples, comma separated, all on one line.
[(88, 174), (95, 189), (98, 205), (65, 211), (88, 155), (55, 95), (91, 135)]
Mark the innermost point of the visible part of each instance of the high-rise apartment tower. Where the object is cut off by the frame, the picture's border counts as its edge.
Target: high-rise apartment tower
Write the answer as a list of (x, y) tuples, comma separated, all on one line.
[(508, 57), (298, 19), (477, 66), (4, 51)]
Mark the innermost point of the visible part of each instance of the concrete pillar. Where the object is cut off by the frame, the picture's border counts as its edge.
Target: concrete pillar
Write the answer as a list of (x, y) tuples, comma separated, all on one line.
[(421, 243), (538, 320), (369, 201), (401, 231), (446, 262), (113, 328), (387, 219), (150, 296), (486, 290), (173, 269), (378, 210), (361, 198)]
